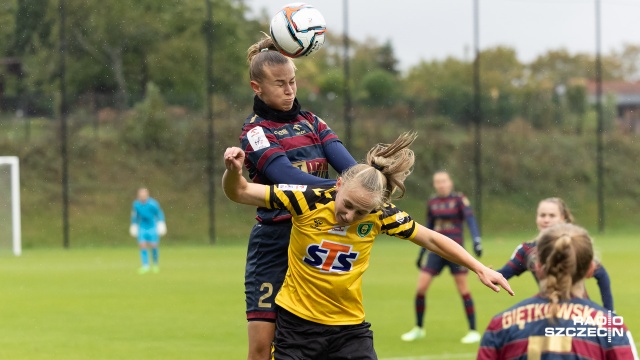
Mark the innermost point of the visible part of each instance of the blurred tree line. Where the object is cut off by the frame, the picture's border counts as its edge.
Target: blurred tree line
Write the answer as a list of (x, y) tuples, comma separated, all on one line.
[(136, 69), (116, 48)]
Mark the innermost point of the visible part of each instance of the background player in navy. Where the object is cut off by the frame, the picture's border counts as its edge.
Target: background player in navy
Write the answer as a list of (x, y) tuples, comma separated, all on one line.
[(283, 144), (446, 213), (147, 225), (553, 211), (546, 326)]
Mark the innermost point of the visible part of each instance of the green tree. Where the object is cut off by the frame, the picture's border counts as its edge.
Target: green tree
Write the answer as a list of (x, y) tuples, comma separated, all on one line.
[(386, 58), (577, 104), (110, 31), (8, 11), (441, 87), (380, 88), (500, 73), (30, 24), (629, 60)]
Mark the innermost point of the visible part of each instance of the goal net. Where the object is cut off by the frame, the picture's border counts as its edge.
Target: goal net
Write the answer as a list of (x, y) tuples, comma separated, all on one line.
[(10, 233)]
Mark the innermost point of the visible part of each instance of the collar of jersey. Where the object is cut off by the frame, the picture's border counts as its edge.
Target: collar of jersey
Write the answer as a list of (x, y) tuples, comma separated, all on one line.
[(267, 113)]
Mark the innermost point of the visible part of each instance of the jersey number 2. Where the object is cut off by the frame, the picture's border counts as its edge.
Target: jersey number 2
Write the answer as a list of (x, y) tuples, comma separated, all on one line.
[(269, 288)]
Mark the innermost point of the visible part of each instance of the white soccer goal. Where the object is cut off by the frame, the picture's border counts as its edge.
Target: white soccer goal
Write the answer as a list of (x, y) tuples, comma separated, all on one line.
[(10, 203)]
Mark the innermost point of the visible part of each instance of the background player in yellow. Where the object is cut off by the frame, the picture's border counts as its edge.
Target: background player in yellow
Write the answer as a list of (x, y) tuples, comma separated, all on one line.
[(320, 303)]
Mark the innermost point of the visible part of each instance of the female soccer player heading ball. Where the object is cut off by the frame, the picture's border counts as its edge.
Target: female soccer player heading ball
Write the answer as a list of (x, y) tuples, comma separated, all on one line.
[(320, 313), (283, 144)]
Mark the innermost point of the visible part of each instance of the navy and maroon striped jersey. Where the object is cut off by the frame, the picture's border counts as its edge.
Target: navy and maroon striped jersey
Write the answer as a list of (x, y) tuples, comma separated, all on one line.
[(300, 140), (525, 256), (446, 214), (582, 330)]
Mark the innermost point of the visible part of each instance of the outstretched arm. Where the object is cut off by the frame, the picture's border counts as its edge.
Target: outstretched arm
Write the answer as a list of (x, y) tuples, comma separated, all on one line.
[(604, 283), (235, 186), (452, 251), (281, 171)]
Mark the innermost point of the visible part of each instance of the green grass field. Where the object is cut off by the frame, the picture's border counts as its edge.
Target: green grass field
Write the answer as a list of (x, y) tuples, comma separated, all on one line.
[(89, 303)]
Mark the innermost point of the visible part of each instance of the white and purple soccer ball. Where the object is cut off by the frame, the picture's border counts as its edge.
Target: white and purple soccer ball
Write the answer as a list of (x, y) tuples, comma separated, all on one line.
[(298, 29)]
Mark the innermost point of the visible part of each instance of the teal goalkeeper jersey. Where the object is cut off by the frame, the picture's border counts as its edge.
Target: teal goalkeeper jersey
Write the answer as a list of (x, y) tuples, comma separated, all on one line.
[(146, 214)]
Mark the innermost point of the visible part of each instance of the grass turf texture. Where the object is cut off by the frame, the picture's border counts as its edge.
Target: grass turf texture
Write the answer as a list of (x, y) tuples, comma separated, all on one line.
[(91, 303)]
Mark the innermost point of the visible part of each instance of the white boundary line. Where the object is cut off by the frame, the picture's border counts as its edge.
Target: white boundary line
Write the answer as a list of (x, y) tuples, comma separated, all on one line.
[(437, 357)]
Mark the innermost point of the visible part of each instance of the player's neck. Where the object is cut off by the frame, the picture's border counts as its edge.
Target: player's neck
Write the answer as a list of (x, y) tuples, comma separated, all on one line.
[(578, 289)]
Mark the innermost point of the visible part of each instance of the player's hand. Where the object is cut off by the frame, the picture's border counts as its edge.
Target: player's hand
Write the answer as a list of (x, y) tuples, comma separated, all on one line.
[(161, 228), (133, 230), (477, 247), (234, 159), (492, 279)]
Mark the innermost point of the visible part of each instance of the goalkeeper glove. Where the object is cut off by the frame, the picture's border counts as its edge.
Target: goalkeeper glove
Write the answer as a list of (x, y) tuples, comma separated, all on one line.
[(419, 261), (133, 230), (477, 247), (161, 227)]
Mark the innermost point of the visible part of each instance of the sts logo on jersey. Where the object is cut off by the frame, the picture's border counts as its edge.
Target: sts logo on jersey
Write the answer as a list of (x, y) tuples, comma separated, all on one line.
[(330, 256)]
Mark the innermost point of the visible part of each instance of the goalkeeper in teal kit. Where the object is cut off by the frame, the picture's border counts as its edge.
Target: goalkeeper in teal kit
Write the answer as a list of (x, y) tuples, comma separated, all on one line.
[(147, 225)]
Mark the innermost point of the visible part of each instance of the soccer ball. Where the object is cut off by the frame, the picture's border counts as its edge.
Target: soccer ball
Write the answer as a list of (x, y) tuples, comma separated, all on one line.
[(298, 30)]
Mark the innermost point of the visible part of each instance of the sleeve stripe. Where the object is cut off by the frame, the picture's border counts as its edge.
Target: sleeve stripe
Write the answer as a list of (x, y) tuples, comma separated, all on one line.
[(275, 200), (268, 196), (407, 233), (266, 156), (301, 201), (294, 201)]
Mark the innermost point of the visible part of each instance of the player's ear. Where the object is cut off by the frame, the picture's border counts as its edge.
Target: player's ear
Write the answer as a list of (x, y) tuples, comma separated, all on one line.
[(592, 269), (539, 269), (338, 183), (256, 87)]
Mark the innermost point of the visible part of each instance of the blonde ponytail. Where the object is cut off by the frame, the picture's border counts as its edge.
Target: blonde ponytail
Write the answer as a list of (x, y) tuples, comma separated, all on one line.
[(387, 166)]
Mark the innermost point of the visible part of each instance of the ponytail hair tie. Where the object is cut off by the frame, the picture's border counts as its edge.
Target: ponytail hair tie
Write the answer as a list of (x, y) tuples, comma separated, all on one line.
[(377, 167), (264, 49)]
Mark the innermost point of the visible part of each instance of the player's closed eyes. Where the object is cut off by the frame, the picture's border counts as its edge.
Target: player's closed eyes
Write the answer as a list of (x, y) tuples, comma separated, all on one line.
[(349, 206)]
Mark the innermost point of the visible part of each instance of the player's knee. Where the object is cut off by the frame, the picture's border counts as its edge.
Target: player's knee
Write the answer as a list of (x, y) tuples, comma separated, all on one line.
[(463, 287)]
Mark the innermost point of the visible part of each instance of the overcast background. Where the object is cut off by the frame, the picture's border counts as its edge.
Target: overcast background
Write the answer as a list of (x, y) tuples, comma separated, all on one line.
[(435, 29)]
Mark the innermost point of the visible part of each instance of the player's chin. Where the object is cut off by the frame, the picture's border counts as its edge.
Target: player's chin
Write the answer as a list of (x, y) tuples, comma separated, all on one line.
[(341, 220), (287, 105)]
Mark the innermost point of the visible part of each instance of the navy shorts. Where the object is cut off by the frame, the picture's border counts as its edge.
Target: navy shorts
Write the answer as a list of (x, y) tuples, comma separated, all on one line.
[(298, 339), (435, 264), (265, 269)]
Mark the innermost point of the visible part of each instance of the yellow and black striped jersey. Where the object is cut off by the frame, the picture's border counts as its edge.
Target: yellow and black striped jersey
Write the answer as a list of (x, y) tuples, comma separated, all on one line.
[(326, 261)]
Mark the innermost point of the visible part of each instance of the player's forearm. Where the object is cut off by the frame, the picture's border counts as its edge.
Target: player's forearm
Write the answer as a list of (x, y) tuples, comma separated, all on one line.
[(604, 283), (234, 185), (473, 227), (446, 248), (239, 190)]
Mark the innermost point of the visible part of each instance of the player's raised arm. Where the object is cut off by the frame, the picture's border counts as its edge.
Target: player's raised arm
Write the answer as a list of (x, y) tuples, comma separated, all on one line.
[(452, 251), (235, 186)]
